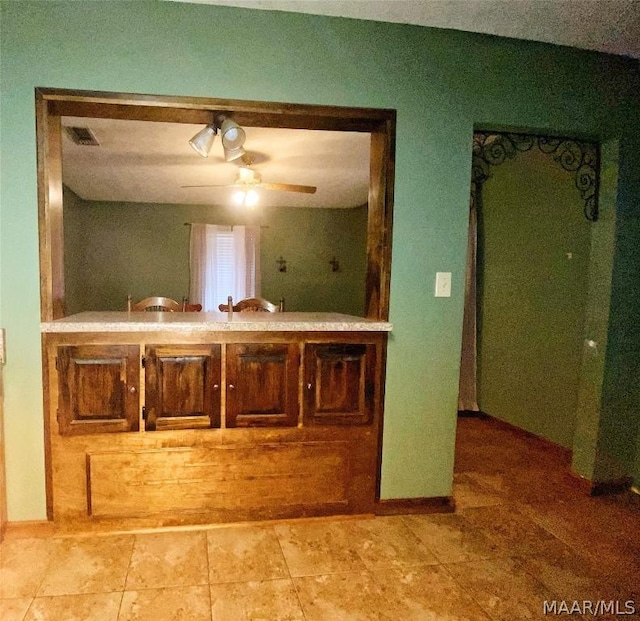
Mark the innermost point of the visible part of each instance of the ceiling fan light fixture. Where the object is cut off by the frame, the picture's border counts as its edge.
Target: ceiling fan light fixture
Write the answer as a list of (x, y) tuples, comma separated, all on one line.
[(203, 140), (248, 175), (246, 198)]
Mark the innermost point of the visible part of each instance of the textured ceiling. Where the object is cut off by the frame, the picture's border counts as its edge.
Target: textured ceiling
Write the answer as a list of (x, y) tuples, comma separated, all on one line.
[(611, 26), (144, 162)]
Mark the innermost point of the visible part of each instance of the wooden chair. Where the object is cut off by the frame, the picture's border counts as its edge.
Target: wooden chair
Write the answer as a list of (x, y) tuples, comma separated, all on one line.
[(157, 304), (253, 305), (191, 308)]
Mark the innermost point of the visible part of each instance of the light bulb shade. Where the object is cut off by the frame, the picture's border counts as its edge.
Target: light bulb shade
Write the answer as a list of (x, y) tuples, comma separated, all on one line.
[(232, 134), (203, 140), (251, 199), (232, 154), (247, 198), (248, 175)]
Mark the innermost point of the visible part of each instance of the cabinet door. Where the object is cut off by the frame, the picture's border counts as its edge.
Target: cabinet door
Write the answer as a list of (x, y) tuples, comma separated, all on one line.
[(98, 388), (262, 384), (182, 386), (339, 383)]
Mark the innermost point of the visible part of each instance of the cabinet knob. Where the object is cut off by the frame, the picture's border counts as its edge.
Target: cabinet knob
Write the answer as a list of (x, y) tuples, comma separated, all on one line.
[(216, 386), (309, 386), (231, 386), (132, 389)]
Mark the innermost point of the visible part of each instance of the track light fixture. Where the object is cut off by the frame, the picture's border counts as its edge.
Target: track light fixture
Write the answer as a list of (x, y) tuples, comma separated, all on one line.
[(233, 138), (232, 135), (203, 140)]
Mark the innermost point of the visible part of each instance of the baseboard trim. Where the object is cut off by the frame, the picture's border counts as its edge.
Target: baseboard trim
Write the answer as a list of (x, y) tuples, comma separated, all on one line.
[(523, 433), (604, 488), (616, 486), (592, 488), (399, 506), (36, 529), (584, 485)]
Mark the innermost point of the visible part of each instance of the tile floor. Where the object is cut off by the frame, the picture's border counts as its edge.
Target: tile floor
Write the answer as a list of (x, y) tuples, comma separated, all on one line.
[(523, 532)]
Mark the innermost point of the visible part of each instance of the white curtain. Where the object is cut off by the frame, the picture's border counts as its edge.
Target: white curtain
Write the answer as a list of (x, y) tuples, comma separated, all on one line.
[(224, 261), (251, 244), (467, 390)]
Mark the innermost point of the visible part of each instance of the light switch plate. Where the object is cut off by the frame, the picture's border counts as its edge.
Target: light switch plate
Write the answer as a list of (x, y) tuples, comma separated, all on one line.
[(443, 284)]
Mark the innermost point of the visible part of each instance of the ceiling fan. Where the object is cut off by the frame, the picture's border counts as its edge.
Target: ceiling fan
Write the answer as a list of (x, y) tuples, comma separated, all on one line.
[(249, 179)]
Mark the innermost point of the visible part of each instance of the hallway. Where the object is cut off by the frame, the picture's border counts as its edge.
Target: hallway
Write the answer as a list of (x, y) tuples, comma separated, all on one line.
[(524, 532)]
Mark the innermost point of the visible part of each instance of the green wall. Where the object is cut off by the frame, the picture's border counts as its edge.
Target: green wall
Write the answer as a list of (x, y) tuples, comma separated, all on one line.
[(116, 249), (586, 455), (441, 82), (308, 239), (531, 295)]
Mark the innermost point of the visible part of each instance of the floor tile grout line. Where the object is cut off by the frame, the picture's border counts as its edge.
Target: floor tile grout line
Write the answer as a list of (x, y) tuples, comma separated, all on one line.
[(210, 608), (52, 544), (284, 556), (26, 612), (206, 543), (298, 599), (470, 592), (120, 606), (473, 528), (126, 574)]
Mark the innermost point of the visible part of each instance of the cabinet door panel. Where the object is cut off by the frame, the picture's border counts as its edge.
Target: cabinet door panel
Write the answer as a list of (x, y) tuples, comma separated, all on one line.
[(98, 387), (339, 383), (182, 386), (262, 384)]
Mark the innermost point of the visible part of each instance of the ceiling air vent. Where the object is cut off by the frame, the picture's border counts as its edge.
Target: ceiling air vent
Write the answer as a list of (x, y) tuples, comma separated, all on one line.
[(83, 136)]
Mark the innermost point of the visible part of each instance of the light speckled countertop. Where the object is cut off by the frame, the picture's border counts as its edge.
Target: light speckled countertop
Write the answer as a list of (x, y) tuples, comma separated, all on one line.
[(113, 321)]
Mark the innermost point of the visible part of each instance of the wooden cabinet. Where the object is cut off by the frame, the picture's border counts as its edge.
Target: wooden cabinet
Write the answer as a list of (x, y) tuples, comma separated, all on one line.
[(182, 386), (262, 384), (98, 387), (237, 426), (339, 383)]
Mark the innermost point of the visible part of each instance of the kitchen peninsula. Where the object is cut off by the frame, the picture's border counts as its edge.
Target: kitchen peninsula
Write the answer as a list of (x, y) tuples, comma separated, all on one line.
[(170, 419), (167, 419)]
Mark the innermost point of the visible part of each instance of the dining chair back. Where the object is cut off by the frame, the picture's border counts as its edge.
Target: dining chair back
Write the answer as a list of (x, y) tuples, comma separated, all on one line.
[(191, 308), (157, 304), (253, 305)]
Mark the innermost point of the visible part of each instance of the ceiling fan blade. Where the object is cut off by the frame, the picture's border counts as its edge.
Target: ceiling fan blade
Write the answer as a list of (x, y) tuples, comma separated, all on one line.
[(288, 187), (284, 187), (215, 185)]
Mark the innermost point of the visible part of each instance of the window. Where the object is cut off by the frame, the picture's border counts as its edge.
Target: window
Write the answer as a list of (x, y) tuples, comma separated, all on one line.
[(224, 261)]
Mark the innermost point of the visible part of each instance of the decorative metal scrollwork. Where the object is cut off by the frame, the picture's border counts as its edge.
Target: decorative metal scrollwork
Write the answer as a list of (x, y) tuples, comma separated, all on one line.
[(577, 157)]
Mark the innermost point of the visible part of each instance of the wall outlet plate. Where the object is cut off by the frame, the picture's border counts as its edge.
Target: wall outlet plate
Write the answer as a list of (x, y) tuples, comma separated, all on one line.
[(443, 284)]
